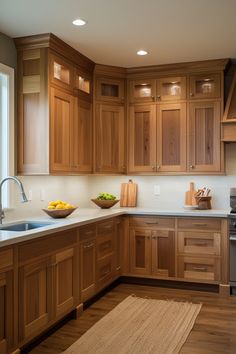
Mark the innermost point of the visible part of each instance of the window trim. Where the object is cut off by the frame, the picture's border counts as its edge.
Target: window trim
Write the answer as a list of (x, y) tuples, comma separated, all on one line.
[(10, 166)]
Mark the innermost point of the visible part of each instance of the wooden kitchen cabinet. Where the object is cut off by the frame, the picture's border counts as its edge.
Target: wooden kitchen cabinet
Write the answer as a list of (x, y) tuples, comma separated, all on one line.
[(157, 90), (6, 301), (54, 92), (105, 265), (87, 235), (142, 138), (199, 249), (152, 247), (48, 282), (109, 139), (110, 90), (119, 244), (204, 137), (60, 124), (207, 85), (157, 138)]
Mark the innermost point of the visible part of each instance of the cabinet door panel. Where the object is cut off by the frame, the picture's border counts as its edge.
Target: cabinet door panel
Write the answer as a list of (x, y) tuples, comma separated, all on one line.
[(199, 268), (171, 89), (142, 139), (119, 230), (35, 297), (163, 253), (6, 311), (140, 247), (204, 138), (205, 86), (109, 138), (171, 135), (60, 121), (81, 134), (110, 90), (87, 268), (142, 90), (66, 290)]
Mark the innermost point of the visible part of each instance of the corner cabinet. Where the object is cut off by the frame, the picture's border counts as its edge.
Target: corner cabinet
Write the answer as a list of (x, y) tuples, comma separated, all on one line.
[(54, 108), (109, 123)]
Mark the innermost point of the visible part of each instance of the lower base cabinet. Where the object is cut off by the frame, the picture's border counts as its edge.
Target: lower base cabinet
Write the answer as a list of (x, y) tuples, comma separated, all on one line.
[(47, 284), (6, 301)]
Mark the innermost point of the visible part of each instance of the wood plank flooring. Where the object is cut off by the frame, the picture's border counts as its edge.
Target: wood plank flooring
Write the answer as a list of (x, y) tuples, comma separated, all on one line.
[(214, 330)]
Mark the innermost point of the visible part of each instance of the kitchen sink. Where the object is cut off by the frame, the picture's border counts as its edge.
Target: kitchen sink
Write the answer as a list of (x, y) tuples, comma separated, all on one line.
[(24, 226)]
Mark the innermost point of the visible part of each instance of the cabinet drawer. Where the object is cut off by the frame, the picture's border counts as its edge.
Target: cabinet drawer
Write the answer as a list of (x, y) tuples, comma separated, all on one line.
[(105, 271), (199, 242), (6, 259), (104, 245), (87, 232), (199, 268), (153, 222), (105, 227), (199, 224)]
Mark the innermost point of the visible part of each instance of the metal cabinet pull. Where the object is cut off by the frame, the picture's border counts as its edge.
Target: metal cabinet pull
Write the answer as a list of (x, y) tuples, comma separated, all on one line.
[(88, 232), (152, 222)]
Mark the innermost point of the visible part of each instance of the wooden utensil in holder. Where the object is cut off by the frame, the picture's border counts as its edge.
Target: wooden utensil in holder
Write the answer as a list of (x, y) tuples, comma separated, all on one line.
[(203, 202)]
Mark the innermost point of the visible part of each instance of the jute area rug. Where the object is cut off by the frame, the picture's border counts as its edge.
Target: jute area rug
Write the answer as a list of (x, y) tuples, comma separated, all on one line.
[(139, 325)]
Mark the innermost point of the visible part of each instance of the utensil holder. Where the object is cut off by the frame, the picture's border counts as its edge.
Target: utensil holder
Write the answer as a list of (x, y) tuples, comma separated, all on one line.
[(203, 203)]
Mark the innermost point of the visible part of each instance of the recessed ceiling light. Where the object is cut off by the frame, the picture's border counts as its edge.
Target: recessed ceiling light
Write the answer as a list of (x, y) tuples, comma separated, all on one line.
[(79, 22), (142, 52)]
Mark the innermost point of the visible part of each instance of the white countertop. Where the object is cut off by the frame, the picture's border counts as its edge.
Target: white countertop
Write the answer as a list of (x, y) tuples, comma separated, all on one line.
[(86, 216)]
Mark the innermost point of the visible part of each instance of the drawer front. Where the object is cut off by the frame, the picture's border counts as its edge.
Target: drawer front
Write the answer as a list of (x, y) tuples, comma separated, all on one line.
[(153, 222), (105, 227), (105, 271), (87, 232), (6, 259), (47, 245), (195, 242), (104, 245), (199, 224), (199, 268)]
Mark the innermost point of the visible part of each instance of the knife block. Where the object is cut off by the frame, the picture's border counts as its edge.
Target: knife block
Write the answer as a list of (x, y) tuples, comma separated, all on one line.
[(203, 202)]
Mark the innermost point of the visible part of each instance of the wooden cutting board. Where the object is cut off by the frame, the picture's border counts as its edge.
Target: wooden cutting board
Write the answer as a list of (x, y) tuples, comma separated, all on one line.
[(189, 195), (128, 194)]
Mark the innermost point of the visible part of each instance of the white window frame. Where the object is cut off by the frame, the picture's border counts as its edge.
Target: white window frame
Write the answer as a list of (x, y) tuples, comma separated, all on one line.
[(7, 127)]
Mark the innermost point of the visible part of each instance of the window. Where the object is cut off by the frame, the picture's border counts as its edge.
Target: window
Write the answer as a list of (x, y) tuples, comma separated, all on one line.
[(6, 128)]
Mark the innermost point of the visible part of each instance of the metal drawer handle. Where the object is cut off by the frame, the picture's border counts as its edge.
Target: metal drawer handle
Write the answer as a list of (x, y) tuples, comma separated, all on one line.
[(152, 223), (105, 273), (89, 245), (200, 269), (232, 238)]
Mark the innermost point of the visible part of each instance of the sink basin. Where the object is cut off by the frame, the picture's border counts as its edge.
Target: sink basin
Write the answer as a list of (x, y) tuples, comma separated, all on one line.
[(24, 226)]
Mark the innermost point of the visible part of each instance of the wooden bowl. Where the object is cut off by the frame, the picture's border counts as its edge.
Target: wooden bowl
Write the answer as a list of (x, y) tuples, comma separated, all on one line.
[(105, 204), (59, 213)]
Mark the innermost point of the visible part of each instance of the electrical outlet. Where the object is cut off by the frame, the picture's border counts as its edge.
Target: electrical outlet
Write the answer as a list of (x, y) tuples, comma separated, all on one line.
[(30, 195), (42, 194), (157, 190)]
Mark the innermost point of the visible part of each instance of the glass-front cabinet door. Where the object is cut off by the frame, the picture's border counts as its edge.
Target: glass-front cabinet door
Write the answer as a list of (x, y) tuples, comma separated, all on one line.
[(61, 72), (204, 86), (171, 89), (111, 90), (142, 90)]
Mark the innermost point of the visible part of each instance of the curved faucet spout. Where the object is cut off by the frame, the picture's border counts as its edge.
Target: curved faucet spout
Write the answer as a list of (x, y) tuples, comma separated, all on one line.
[(22, 192)]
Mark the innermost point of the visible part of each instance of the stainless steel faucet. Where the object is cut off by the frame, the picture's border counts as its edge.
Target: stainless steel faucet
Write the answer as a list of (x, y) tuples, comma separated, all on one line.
[(22, 192)]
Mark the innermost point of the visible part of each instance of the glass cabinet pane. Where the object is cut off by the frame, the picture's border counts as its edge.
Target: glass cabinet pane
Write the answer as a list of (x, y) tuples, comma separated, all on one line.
[(61, 72), (110, 90), (142, 90), (171, 89), (205, 86), (83, 84)]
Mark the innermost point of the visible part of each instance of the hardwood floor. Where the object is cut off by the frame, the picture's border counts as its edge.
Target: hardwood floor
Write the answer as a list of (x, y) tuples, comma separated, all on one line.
[(214, 330)]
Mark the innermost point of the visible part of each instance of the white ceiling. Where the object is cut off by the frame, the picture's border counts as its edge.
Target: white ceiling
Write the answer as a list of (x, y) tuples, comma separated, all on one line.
[(171, 30)]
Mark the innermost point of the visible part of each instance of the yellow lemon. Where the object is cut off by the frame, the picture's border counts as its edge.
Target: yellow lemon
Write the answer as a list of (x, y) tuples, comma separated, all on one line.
[(51, 207), (60, 206)]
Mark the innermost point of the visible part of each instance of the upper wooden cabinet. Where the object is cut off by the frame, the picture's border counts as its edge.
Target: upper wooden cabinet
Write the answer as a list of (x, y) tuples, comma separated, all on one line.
[(157, 140), (111, 90), (206, 85), (157, 90), (54, 107), (204, 136)]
